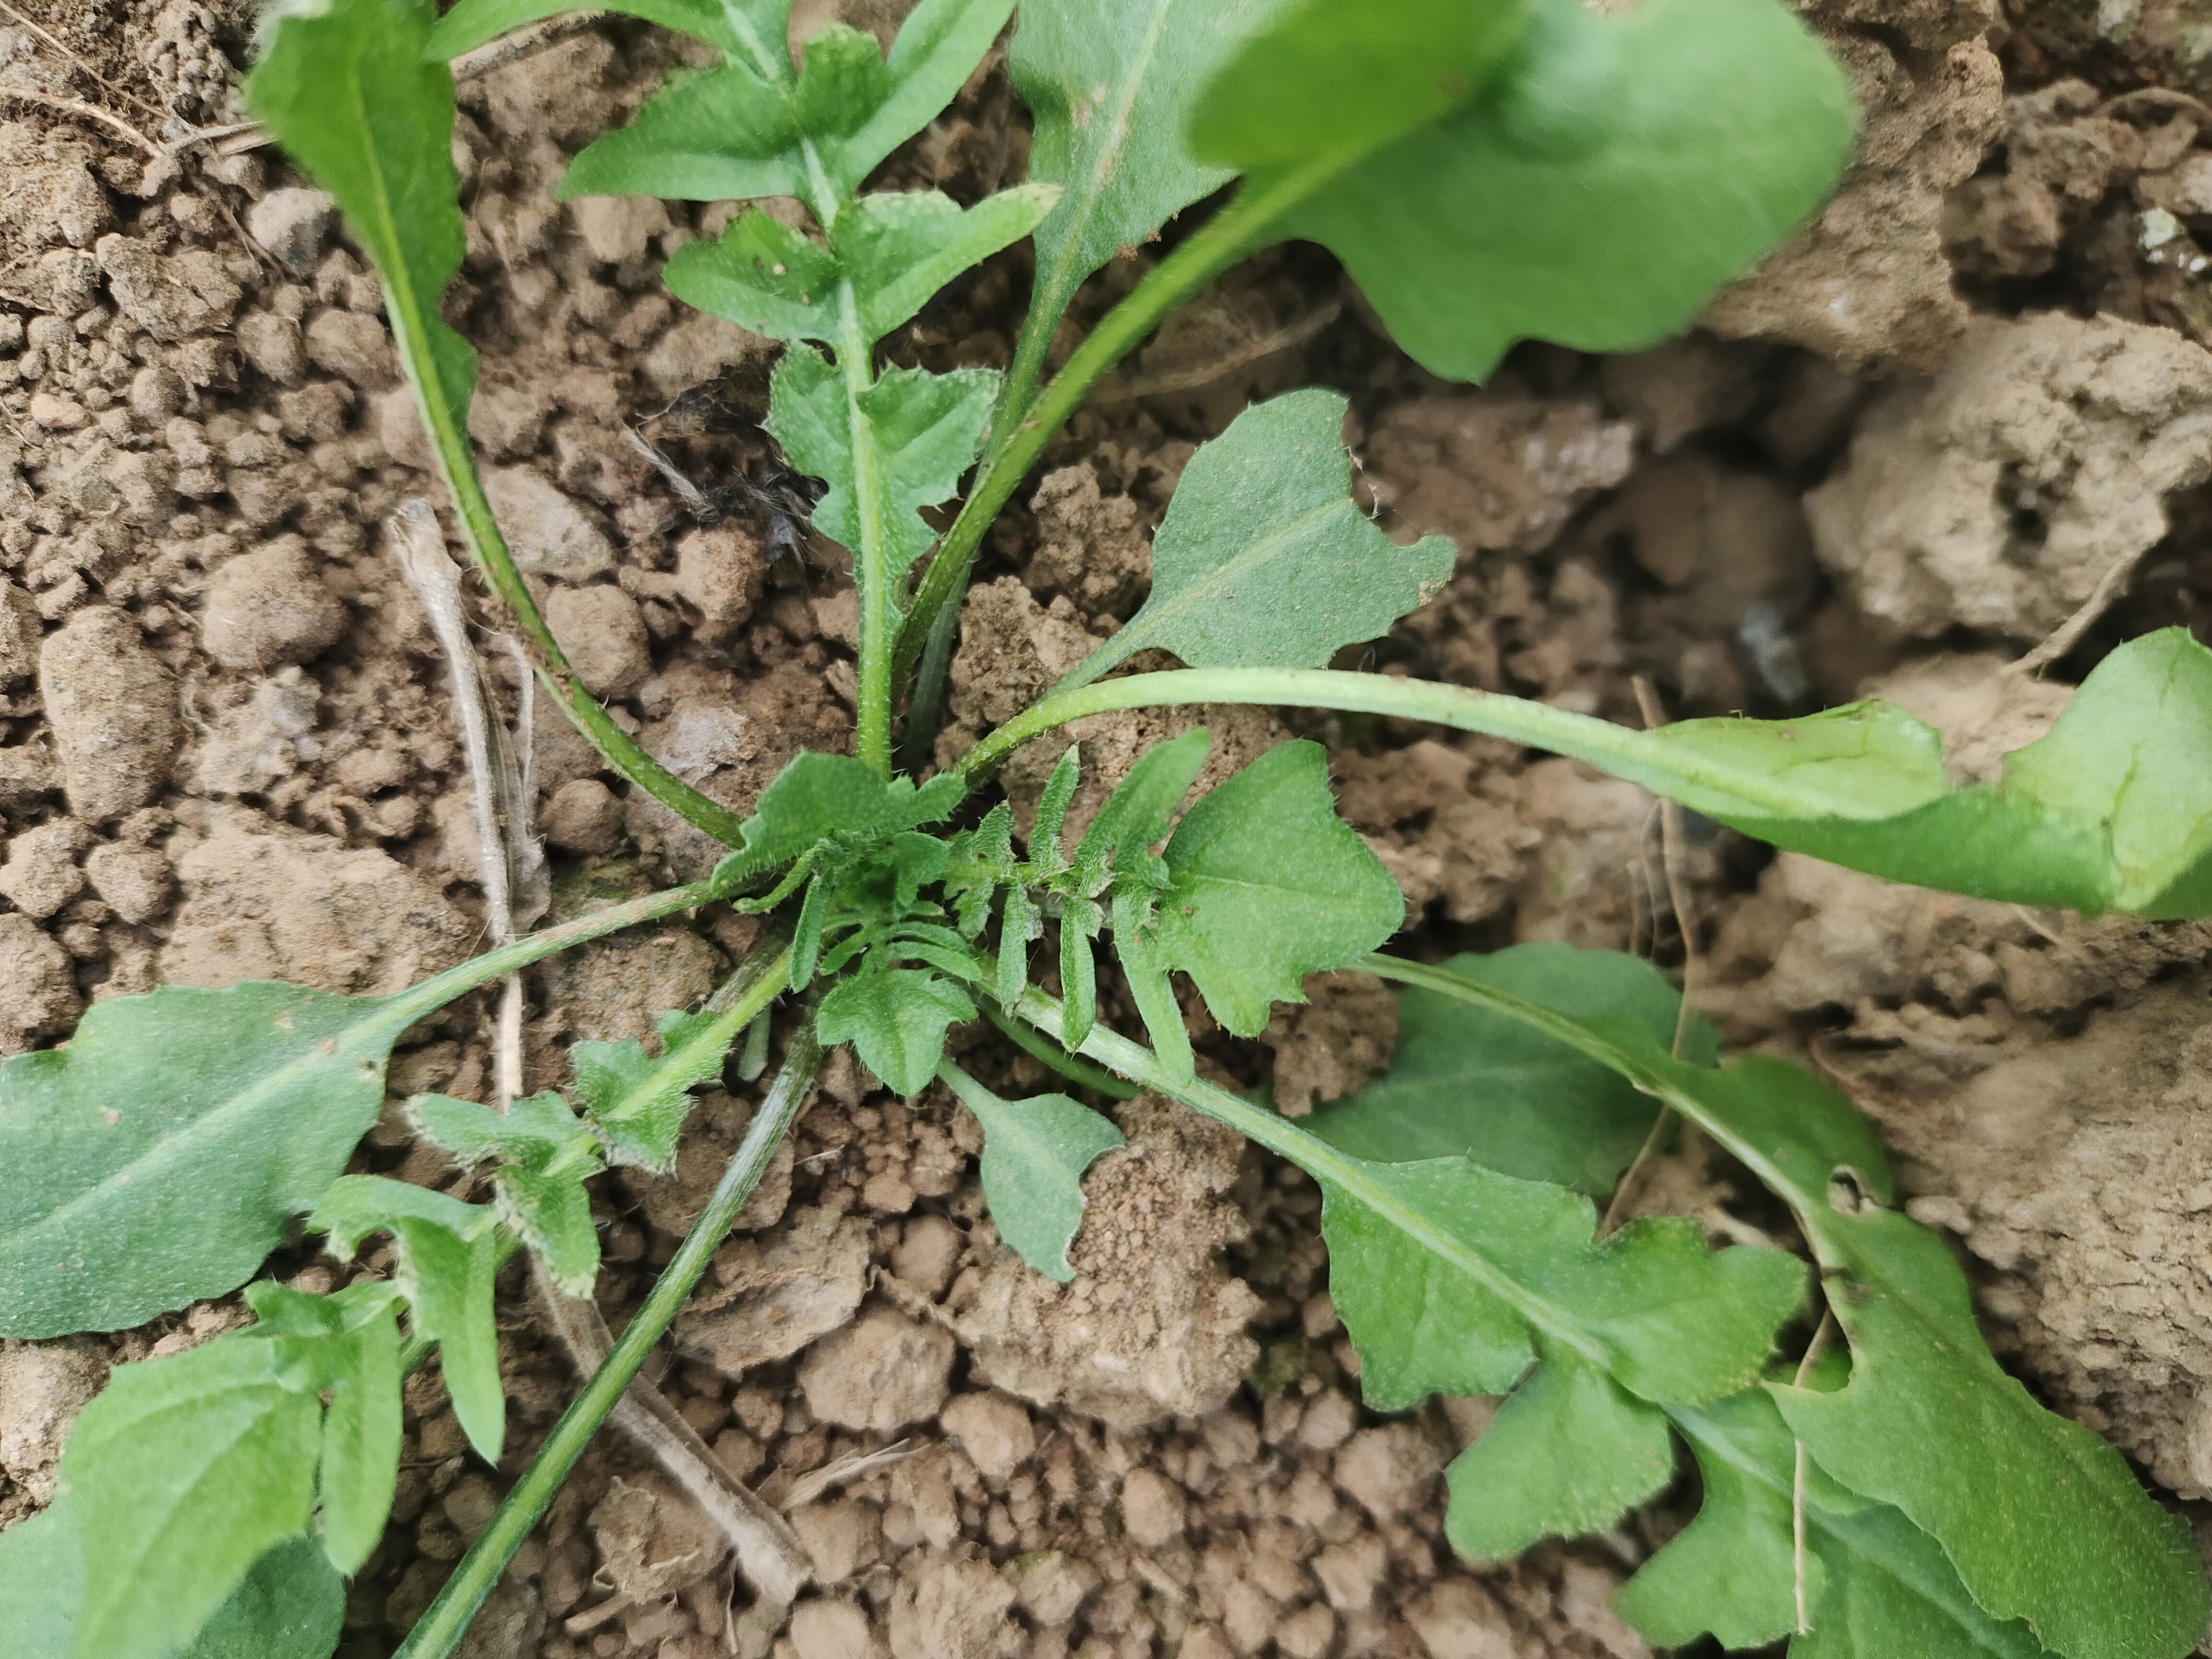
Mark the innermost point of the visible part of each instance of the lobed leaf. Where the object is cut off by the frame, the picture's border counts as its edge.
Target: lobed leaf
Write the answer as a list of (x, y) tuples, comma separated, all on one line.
[(1876, 1584), (290, 1605), (1471, 1081), (1486, 180), (819, 797), (547, 1153), (920, 431), (895, 1020), (889, 256), (156, 1159), (1444, 1273), (1263, 559), (1570, 1452), (181, 1475), (1112, 89), (639, 1103), (1035, 1152), (1266, 885), (448, 1255)]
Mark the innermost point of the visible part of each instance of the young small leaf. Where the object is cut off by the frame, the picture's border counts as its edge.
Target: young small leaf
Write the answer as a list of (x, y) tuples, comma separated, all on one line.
[(979, 862), (895, 1020), (1138, 812), (923, 428), (548, 1154), (1079, 969), (750, 28), (447, 1258), (820, 797), (1570, 1453), (1264, 560), (158, 1157), (180, 1474), (1044, 847), (290, 1605), (1875, 1585), (1266, 885), (1035, 1152), (1467, 1080), (1496, 198), (1018, 927), (346, 1346), (639, 1104), (896, 250), (747, 130)]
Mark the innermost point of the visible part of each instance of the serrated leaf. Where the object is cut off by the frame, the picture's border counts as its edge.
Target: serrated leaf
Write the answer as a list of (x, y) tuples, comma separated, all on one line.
[(157, 1158), (922, 428), (1264, 561), (349, 92), (638, 1104), (1443, 1272), (1035, 1152), (181, 1474), (748, 130), (1470, 1081), (1502, 198), (895, 1020), (448, 1255), (818, 797), (290, 1605), (979, 862), (1136, 816), (1019, 924), (1266, 885), (538, 1190), (1112, 88), (895, 249), (1059, 790), (1876, 1585), (1570, 1453)]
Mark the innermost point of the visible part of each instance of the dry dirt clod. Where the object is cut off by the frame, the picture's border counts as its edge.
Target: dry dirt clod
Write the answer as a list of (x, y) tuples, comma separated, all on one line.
[(2000, 495), (773, 1297), (41, 873), (43, 1386), (880, 1374), (268, 608), (550, 535), (112, 708), (600, 630)]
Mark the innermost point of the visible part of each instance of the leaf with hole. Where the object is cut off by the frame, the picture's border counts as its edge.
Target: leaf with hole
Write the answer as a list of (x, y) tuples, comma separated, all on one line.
[(1035, 1152), (1875, 1585), (1466, 1080), (1264, 561)]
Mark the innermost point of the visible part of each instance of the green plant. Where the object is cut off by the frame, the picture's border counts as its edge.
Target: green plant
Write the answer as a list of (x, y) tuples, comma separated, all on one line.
[(1488, 170)]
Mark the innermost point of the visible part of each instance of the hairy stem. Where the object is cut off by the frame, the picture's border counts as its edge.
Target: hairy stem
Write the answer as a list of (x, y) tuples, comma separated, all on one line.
[(872, 738), (1645, 757), (1055, 1058), (1019, 435), (441, 1627)]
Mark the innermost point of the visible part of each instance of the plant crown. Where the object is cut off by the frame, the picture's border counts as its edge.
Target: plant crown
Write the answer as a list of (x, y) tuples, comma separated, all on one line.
[(1488, 171)]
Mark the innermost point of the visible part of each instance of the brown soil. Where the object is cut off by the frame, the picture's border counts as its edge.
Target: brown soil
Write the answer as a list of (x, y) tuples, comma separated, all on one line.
[(1923, 433)]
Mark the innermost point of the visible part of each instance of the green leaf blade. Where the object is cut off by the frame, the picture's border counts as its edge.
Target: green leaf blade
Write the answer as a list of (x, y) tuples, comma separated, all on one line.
[(360, 1464), (735, 26), (1503, 200), (1266, 885), (351, 92), (1034, 1153), (1264, 561), (185, 1470), (1467, 1081), (726, 135), (895, 1018), (1570, 1453), (161, 1154)]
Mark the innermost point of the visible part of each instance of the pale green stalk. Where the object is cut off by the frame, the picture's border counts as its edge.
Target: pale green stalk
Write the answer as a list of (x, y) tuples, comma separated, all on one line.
[(1643, 757), (1019, 435), (441, 1627)]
